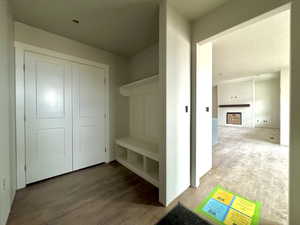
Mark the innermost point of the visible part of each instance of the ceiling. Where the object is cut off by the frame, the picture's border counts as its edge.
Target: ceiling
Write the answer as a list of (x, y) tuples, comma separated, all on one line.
[(194, 9), (124, 27), (260, 48)]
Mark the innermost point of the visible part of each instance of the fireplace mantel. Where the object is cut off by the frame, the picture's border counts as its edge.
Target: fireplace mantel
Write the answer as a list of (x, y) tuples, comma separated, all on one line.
[(235, 105)]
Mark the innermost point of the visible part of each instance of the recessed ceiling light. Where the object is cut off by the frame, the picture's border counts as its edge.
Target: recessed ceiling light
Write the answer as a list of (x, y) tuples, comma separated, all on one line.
[(75, 21)]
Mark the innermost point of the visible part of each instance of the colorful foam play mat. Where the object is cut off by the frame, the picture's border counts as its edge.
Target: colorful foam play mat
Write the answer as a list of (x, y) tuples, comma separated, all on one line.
[(226, 208)]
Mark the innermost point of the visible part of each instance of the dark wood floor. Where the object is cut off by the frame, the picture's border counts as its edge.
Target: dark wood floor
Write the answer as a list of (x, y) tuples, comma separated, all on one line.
[(105, 194), (245, 162)]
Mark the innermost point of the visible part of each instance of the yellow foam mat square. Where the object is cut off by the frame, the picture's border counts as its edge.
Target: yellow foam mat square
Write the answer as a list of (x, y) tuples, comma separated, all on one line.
[(223, 196), (236, 218), (244, 206)]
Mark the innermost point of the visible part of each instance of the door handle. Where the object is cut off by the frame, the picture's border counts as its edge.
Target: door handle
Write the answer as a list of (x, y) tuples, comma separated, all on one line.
[(207, 109)]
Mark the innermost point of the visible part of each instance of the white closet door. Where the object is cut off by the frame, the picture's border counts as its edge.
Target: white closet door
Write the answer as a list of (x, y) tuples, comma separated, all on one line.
[(48, 111), (89, 115)]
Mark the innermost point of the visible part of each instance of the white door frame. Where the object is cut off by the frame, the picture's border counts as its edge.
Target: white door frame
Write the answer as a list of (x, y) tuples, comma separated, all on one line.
[(194, 179), (20, 49)]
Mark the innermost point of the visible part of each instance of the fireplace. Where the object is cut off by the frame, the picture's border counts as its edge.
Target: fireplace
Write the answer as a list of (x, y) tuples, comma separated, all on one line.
[(234, 118)]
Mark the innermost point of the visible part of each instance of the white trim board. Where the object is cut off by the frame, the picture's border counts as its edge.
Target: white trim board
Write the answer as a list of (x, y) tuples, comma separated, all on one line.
[(20, 49), (213, 35), (264, 76), (44, 51)]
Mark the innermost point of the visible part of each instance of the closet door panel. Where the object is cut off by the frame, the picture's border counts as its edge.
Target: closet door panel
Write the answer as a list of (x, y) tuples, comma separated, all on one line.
[(48, 113), (88, 115)]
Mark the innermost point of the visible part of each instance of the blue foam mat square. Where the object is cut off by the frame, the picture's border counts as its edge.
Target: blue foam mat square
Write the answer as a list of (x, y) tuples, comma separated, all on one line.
[(216, 209)]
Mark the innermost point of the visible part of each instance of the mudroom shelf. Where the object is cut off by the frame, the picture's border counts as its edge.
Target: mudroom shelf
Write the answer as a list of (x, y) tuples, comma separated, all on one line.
[(150, 177), (139, 149), (139, 86), (142, 147)]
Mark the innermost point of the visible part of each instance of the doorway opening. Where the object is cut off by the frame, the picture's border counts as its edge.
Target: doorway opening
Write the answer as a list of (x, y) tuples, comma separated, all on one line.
[(242, 142)]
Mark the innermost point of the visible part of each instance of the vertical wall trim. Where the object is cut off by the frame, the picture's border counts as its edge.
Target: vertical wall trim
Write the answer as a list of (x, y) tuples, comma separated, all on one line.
[(20, 117), (253, 104), (162, 81)]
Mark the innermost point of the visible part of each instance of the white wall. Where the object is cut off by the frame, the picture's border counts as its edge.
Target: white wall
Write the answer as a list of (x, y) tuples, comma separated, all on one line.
[(236, 93), (267, 103), (144, 64), (285, 107), (119, 71), (294, 195), (175, 47), (232, 14), (263, 95), (203, 157), (215, 103), (7, 120)]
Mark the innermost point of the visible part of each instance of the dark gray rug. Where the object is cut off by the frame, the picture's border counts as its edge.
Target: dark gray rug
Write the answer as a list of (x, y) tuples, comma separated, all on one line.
[(180, 215)]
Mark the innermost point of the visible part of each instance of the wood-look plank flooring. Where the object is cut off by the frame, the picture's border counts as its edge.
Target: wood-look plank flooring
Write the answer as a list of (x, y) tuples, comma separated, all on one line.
[(246, 161)]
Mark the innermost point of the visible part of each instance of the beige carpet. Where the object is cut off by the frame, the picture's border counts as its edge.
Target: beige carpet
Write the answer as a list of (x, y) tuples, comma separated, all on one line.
[(251, 162)]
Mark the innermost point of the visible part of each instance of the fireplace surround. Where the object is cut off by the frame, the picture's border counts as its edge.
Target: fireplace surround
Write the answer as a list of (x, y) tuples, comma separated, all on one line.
[(234, 118)]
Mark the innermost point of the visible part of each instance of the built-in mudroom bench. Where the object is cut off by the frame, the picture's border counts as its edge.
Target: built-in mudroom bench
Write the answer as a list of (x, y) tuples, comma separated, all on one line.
[(140, 150)]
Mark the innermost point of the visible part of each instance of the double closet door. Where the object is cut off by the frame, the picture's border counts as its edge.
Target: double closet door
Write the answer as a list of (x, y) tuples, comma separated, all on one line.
[(65, 105)]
